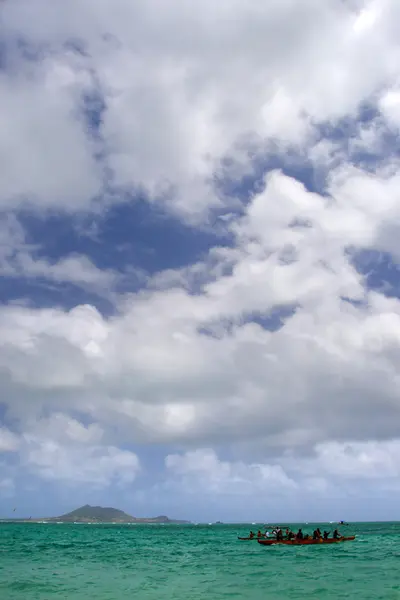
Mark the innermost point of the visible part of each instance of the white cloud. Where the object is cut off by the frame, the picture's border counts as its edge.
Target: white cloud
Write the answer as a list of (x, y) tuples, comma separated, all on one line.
[(17, 260), (62, 449), (153, 372), (202, 470), (96, 466), (65, 430), (48, 160), (176, 103), (372, 460), (75, 269), (390, 107), (9, 442), (334, 470), (184, 85)]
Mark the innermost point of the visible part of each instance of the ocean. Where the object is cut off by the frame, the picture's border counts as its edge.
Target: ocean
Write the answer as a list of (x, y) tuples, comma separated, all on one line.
[(189, 562)]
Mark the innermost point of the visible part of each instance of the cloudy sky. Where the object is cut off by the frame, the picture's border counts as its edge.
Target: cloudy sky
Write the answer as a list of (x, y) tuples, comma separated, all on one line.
[(199, 212)]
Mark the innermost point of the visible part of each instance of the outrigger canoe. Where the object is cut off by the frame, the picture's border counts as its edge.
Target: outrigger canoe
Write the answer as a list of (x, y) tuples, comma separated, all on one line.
[(265, 542), (247, 539)]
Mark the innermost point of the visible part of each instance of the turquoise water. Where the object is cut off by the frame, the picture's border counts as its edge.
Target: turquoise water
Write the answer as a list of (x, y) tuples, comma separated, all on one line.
[(114, 562)]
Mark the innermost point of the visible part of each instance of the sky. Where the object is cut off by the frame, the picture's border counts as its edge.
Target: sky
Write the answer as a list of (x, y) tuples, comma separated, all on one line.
[(199, 258)]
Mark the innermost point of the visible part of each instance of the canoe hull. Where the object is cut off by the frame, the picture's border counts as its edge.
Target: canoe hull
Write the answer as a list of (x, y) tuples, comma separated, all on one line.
[(306, 542)]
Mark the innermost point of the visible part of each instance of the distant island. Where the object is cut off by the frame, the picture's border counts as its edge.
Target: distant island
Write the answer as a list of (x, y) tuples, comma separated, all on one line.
[(98, 514)]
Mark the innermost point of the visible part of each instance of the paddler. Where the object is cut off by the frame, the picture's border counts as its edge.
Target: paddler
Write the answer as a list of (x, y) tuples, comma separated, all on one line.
[(317, 534), (336, 535), (251, 535)]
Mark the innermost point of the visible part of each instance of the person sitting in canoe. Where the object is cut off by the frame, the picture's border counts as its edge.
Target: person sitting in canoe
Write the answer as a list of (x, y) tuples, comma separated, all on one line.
[(326, 535), (317, 534), (259, 534), (251, 534), (279, 535), (299, 535), (336, 535), (289, 534)]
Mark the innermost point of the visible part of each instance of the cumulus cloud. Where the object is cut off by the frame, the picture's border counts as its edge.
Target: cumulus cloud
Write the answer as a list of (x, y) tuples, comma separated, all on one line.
[(234, 70), (203, 470), (18, 259), (96, 465), (9, 442), (360, 460), (157, 373), (62, 449), (48, 159), (335, 470), (78, 270), (274, 343)]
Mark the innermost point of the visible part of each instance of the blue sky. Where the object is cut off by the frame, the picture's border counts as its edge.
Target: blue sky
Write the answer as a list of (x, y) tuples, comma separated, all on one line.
[(199, 290)]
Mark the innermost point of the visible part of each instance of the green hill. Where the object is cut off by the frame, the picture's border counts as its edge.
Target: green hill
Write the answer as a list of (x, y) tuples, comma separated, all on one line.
[(99, 514)]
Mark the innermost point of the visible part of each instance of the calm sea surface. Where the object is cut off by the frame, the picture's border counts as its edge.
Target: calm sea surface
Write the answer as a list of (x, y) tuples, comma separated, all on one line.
[(114, 562)]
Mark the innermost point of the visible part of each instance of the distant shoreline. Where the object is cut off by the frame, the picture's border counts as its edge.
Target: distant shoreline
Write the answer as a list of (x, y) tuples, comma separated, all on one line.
[(156, 521), (47, 521), (98, 515)]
